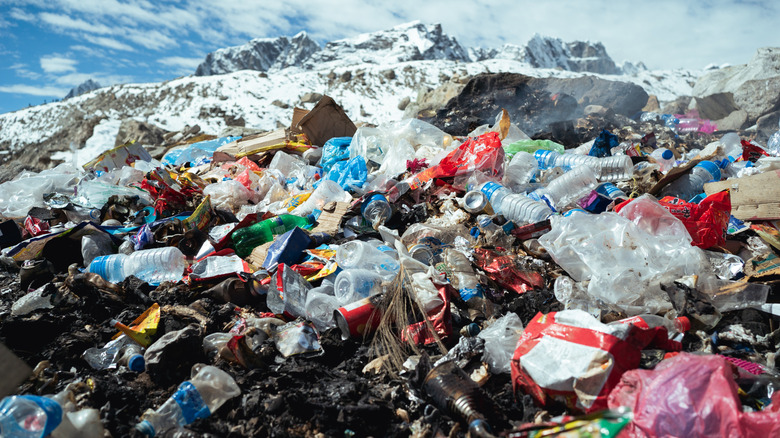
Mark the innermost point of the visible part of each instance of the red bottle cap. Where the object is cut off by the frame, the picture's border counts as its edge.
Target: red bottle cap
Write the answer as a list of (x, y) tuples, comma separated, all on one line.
[(682, 324)]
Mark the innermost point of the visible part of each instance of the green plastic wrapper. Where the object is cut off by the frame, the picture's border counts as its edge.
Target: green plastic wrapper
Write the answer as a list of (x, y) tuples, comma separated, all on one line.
[(531, 146)]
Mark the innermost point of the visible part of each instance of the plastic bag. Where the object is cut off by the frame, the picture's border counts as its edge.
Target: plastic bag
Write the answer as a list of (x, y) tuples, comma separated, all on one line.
[(349, 174), (228, 195), (603, 144), (626, 255), (500, 342), (196, 152), (707, 222), (336, 149), (571, 357), (483, 153), (690, 396)]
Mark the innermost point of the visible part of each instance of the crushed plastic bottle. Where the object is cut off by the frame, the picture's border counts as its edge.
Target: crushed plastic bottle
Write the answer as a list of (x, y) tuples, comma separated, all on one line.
[(515, 207), (207, 390), (151, 265)]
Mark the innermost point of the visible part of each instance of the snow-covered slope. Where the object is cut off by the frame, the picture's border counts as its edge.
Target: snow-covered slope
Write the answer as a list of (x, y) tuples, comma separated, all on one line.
[(368, 75), (260, 54)]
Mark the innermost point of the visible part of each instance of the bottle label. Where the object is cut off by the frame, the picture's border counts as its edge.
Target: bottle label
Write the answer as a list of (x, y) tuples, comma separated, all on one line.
[(191, 403), (277, 226), (489, 188)]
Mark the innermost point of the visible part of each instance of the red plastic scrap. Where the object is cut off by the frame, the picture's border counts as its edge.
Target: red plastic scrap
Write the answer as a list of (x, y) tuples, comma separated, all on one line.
[(440, 318), (503, 270), (691, 395), (752, 152), (707, 222), (593, 375)]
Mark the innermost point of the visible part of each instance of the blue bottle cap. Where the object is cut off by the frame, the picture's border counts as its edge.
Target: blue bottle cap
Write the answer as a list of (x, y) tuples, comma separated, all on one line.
[(667, 154), (136, 363), (712, 168), (146, 428)]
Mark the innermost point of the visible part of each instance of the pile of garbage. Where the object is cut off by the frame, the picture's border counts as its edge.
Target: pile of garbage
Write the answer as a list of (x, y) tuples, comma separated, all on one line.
[(332, 280)]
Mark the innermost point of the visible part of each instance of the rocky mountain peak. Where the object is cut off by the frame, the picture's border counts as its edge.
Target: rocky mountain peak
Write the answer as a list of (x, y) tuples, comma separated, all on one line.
[(84, 87), (260, 54), (407, 42)]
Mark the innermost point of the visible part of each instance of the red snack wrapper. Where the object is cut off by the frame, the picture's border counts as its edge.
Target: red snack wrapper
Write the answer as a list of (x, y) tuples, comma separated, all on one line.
[(706, 222), (504, 271), (752, 152), (483, 153), (440, 318)]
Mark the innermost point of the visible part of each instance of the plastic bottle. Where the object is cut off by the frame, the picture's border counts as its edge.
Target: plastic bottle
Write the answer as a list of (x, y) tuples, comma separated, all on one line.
[(108, 355), (732, 147), (515, 207), (30, 416), (132, 357), (376, 210), (615, 168), (327, 191), (355, 284), (664, 157), (519, 171), (549, 159), (690, 185), (363, 255), (150, 265), (196, 398), (569, 187), (248, 238)]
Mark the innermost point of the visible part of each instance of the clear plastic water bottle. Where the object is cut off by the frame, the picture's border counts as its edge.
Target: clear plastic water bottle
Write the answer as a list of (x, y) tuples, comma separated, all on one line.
[(690, 185), (549, 159), (150, 265), (514, 207), (732, 146), (664, 157), (196, 398), (569, 187), (355, 284), (376, 209), (29, 416), (327, 191), (615, 168), (120, 351), (357, 254), (519, 171)]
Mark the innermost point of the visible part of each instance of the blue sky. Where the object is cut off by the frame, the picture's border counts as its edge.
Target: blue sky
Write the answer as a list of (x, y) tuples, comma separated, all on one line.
[(51, 46)]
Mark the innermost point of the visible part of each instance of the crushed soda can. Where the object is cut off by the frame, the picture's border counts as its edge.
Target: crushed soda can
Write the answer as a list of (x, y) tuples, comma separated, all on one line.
[(504, 271), (360, 318)]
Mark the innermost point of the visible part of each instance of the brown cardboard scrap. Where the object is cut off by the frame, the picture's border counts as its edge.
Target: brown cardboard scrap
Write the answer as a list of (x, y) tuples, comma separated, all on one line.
[(326, 120), (754, 197)]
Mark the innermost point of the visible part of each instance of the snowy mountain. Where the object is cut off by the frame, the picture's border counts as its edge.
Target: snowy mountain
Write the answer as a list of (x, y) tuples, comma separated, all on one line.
[(260, 54), (370, 75), (86, 86)]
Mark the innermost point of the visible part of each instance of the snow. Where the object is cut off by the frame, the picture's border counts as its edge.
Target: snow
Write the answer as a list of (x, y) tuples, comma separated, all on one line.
[(102, 139)]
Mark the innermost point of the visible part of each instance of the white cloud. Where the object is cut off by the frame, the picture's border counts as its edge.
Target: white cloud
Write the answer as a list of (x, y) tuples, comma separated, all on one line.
[(154, 40), (109, 43), (57, 64), (180, 61), (66, 22), (33, 90), (22, 71), (18, 14)]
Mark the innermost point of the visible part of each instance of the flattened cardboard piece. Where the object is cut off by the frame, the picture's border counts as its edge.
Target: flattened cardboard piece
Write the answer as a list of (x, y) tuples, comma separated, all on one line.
[(326, 120), (753, 197), (250, 145), (330, 220), (298, 115), (15, 371), (258, 255)]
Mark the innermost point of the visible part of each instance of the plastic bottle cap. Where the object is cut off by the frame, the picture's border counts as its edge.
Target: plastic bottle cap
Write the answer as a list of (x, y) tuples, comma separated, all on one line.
[(667, 154), (682, 324), (712, 168), (145, 427), (136, 363)]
